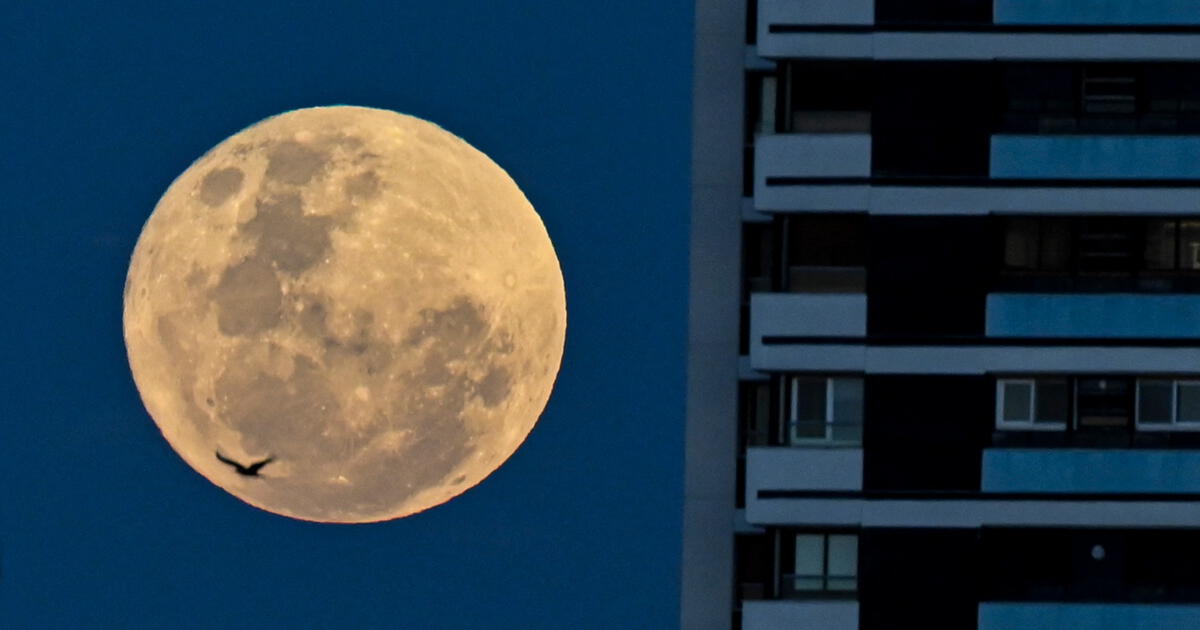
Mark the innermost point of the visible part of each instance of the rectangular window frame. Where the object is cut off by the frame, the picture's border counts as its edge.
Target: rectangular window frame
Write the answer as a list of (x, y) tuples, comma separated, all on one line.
[(1174, 425), (787, 586), (1032, 424), (790, 439)]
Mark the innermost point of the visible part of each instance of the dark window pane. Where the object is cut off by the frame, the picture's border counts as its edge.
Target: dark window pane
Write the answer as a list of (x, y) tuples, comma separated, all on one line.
[(1188, 402), (1154, 401), (1051, 398), (829, 97), (1055, 243), (1021, 243), (809, 562), (1189, 244), (1160, 244), (847, 409), (808, 404), (1016, 401), (827, 240), (842, 569), (1103, 403), (1106, 245)]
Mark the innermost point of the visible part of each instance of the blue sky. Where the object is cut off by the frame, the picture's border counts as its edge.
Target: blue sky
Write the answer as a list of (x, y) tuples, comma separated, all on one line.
[(586, 105)]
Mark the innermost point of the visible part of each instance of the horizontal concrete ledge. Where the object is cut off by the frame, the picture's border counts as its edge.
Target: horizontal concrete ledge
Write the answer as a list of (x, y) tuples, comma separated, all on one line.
[(1086, 616), (959, 342), (980, 198), (1008, 42), (799, 615), (968, 496), (973, 513), (919, 181), (973, 28)]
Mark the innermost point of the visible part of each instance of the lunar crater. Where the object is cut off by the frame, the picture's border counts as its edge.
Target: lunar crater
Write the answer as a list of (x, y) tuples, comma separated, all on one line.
[(293, 163), (285, 236), (248, 298), (220, 184)]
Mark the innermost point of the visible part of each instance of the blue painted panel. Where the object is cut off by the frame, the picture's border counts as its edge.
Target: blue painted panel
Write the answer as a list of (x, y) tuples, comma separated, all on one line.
[(1097, 12), (1092, 315), (1120, 157), (1053, 616), (1081, 470)]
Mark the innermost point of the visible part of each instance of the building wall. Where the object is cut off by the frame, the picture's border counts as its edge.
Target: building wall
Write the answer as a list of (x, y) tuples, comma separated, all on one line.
[(986, 215)]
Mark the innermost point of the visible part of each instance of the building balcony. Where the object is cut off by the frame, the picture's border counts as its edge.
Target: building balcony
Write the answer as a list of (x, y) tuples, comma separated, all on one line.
[(1073, 12), (831, 172), (808, 315), (1085, 616), (838, 156), (1151, 157), (774, 467), (1019, 488), (799, 615), (810, 469), (1091, 471), (975, 29), (1038, 315)]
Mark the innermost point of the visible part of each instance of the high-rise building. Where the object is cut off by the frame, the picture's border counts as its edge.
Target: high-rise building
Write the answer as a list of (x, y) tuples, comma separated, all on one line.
[(944, 364)]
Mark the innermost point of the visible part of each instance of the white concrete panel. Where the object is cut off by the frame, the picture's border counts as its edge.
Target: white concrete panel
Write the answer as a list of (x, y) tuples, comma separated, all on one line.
[(829, 358), (981, 46), (808, 314), (848, 512), (812, 155), (821, 198), (1086, 616), (775, 467), (960, 200), (799, 615), (1058, 12), (972, 513), (963, 200), (973, 359), (814, 45), (1041, 46), (816, 12)]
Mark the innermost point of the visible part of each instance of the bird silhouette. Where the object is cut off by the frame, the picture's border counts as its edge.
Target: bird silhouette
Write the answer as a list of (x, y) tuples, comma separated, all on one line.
[(246, 471)]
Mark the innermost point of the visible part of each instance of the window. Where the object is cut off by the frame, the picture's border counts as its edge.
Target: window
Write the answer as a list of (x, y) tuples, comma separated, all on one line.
[(1099, 254), (1097, 410), (1099, 98), (1107, 245), (827, 97), (1173, 244), (825, 410), (820, 564), (1165, 404), (1103, 404), (826, 253), (1109, 90), (752, 565), (1032, 403)]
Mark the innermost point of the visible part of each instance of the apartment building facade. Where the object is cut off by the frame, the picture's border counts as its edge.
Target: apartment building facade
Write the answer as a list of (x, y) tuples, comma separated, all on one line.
[(964, 390)]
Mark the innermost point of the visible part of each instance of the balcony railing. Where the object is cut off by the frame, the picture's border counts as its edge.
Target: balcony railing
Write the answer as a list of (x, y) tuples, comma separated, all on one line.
[(817, 586), (822, 433)]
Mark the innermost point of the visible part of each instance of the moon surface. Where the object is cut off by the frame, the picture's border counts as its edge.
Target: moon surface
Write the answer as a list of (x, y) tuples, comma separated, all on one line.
[(357, 293)]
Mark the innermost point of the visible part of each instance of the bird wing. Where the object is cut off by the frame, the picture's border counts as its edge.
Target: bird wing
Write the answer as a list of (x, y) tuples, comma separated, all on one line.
[(255, 467), (227, 460)]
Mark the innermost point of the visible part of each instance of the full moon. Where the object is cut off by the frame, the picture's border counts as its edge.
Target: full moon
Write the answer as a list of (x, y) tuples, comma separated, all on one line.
[(355, 296)]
